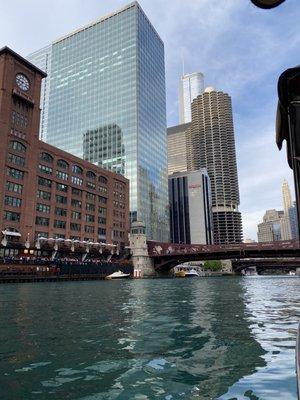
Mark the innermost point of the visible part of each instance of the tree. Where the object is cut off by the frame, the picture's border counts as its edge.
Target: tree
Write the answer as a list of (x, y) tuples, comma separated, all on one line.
[(212, 265)]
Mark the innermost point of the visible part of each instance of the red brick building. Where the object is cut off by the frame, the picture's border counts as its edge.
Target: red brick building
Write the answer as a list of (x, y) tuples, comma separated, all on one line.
[(46, 192)]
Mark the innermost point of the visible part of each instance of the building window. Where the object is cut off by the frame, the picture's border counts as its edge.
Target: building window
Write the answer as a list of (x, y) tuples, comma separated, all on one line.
[(15, 173), (91, 185), (103, 189), (89, 229), (41, 194), (61, 199), (101, 220), (90, 196), (62, 175), (12, 201), (42, 221), (43, 208), (14, 187), (102, 179), (44, 182), (46, 157), (102, 211), (59, 224), (90, 218), (60, 236), (101, 232), (119, 186), (102, 200), (11, 216), (77, 192), (62, 212), (14, 145), (62, 164), (76, 203), (12, 158), (91, 175), (45, 169), (41, 234), (77, 181), (75, 227), (19, 119), (90, 207), (77, 170), (61, 187), (75, 215)]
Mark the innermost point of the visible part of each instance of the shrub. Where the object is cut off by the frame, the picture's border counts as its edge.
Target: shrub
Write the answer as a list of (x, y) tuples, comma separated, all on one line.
[(212, 265)]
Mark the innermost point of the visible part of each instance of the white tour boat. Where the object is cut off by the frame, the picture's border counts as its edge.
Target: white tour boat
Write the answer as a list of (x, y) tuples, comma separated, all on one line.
[(118, 275)]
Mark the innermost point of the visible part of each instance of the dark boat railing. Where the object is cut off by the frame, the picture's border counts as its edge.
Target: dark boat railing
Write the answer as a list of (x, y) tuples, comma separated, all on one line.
[(298, 362)]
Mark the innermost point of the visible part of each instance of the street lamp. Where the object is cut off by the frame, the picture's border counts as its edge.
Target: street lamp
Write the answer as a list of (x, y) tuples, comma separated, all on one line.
[(267, 3)]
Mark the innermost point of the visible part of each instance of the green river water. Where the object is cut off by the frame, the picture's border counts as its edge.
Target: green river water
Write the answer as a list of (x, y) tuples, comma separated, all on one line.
[(207, 338)]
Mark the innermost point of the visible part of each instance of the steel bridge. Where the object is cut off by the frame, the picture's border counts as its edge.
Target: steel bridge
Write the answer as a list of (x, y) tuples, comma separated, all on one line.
[(166, 255)]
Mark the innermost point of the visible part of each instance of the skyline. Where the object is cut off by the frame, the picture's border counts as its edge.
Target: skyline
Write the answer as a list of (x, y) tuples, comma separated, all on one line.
[(263, 43)]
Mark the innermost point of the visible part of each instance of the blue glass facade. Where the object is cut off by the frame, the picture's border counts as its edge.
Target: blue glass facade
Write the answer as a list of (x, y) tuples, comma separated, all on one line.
[(107, 105)]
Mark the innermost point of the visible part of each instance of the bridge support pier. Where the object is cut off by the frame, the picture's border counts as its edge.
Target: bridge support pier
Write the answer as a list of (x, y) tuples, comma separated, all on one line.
[(142, 263), (298, 271), (227, 266)]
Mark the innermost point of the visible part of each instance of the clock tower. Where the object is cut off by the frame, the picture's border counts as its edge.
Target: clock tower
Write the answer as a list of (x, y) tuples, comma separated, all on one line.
[(20, 84)]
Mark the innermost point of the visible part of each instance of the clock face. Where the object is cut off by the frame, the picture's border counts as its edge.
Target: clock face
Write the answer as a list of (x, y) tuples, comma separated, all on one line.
[(22, 82)]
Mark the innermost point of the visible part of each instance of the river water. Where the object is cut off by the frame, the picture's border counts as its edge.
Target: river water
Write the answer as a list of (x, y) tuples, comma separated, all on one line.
[(208, 338)]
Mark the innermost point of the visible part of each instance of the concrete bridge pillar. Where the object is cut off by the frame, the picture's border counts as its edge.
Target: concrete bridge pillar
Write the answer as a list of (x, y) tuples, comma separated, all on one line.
[(142, 263), (227, 266), (298, 271)]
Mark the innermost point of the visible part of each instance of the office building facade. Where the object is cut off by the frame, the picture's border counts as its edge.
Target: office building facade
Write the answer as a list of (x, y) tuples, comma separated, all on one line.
[(294, 222), (44, 191), (286, 233), (286, 196), (177, 148), (190, 86), (190, 207), (108, 87), (42, 59), (211, 145), (270, 230)]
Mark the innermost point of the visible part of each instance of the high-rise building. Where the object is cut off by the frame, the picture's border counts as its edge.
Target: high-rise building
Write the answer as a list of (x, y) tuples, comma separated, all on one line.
[(108, 86), (270, 229), (190, 207), (287, 198), (285, 227), (42, 59), (294, 221), (190, 86), (286, 233), (177, 148), (211, 145)]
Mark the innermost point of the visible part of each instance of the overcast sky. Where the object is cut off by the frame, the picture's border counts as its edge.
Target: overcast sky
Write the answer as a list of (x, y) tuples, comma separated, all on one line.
[(240, 49)]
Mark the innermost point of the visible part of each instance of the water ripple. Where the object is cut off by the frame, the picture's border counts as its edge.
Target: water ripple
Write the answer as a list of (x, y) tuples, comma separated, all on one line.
[(207, 339)]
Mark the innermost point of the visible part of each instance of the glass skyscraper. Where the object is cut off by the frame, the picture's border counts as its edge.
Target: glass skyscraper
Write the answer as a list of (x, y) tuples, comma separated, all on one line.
[(107, 104), (190, 86), (42, 59)]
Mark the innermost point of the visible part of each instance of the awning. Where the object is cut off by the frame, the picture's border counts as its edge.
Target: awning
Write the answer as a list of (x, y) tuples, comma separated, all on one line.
[(11, 233)]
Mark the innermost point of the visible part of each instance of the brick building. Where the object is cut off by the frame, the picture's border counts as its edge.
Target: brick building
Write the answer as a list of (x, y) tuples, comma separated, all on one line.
[(46, 192)]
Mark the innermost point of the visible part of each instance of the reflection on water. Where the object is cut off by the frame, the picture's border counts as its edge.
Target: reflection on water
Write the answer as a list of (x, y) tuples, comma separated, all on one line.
[(209, 338), (273, 306)]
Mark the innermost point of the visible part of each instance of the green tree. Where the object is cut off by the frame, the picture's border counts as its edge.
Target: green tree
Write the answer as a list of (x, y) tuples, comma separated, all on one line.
[(212, 265)]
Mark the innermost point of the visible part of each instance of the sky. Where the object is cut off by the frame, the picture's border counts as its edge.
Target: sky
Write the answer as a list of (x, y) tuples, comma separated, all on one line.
[(242, 50)]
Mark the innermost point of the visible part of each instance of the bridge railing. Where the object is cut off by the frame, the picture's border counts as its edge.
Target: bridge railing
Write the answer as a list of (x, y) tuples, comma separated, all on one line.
[(164, 249)]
